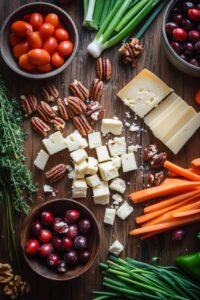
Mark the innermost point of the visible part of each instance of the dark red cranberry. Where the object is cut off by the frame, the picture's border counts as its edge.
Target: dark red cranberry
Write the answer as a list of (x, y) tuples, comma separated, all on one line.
[(53, 260), (188, 48), (56, 242), (66, 244), (178, 18), (184, 57), (59, 226), (71, 258), (84, 256), (187, 5), (179, 34), (72, 216), (72, 232), (187, 24), (80, 242), (62, 268), (32, 247), (170, 26), (178, 48), (45, 236), (46, 250), (36, 227), (47, 218), (84, 225), (194, 14), (178, 234), (194, 36), (194, 62), (197, 47), (176, 10)]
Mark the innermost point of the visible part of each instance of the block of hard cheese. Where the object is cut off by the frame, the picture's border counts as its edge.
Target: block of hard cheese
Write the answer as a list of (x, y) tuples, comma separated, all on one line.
[(184, 134), (144, 92)]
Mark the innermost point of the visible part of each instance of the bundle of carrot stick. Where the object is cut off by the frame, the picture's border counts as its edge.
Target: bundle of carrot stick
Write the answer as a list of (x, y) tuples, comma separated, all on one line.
[(182, 205)]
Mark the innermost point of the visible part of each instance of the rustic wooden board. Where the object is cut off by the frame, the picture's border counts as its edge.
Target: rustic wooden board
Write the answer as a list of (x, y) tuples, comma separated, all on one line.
[(83, 68)]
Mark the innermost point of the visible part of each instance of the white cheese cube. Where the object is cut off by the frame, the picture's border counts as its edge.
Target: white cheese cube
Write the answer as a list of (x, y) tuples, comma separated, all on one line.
[(41, 159), (47, 188), (93, 180), (117, 146), (116, 161), (82, 167), (128, 162), (79, 188), (102, 153), (101, 190), (111, 126), (124, 210), (55, 143), (94, 139), (102, 200), (116, 248), (72, 174), (133, 148), (108, 171), (75, 141), (117, 198), (92, 167), (109, 216), (78, 155), (118, 185)]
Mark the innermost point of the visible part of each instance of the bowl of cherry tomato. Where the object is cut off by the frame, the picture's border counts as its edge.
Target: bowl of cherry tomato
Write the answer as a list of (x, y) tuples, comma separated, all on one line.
[(38, 40)]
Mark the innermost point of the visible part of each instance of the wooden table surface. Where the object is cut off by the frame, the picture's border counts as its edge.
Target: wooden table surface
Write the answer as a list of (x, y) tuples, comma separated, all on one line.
[(83, 68)]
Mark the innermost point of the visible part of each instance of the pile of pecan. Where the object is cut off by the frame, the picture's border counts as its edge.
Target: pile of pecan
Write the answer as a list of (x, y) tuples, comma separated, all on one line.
[(130, 51)]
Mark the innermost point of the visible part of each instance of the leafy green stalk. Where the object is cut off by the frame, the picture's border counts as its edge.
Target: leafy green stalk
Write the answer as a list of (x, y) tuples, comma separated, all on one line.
[(105, 12), (97, 13)]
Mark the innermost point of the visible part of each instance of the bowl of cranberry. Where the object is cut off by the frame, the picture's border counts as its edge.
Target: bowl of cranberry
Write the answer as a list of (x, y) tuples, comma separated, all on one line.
[(181, 35), (60, 239), (38, 40)]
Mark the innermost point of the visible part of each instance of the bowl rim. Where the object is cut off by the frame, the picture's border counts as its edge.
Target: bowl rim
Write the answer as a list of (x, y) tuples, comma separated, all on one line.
[(30, 216), (55, 71), (165, 17)]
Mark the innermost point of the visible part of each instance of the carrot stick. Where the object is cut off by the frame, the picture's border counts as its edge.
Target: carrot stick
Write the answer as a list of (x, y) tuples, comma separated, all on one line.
[(186, 213), (148, 235), (181, 171), (163, 190), (196, 162), (195, 170), (171, 201), (167, 225)]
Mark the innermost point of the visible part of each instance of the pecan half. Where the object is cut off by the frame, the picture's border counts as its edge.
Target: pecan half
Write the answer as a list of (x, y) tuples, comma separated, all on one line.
[(158, 160), (130, 51), (94, 111), (58, 123), (79, 90), (96, 90), (82, 125), (40, 126), (49, 92), (62, 109), (29, 104), (56, 173), (46, 112), (159, 178), (150, 152), (103, 68), (75, 104)]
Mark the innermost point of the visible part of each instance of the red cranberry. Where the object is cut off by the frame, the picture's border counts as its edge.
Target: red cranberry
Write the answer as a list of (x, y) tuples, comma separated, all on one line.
[(71, 258), (36, 227), (53, 260), (187, 24), (178, 18), (194, 62), (84, 225), (184, 57), (46, 250), (56, 242), (84, 256), (59, 226), (45, 236), (180, 34), (62, 268), (176, 10), (187, 5), (80, 242), (197, 47), (178, 234), (66, 244), (194, 36), (188, 48), (47, 218), (177, 47), (170, 26), (194, 14), (72, 216), (32, 247), (72, 232)]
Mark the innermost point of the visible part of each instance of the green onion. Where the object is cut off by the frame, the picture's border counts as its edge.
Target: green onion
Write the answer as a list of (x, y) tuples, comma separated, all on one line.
[(98, 13), (105, 11)]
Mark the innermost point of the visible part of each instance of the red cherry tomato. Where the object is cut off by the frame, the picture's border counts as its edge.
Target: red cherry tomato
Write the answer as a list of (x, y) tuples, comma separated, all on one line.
[(27, 18), (65, 48), (14, 39), (25, 63), (50, 45), (36, 20), (52, 19), (34, 40), (39, 57), (57, 60), (46, 30), (20, 48), (45, 68), (61, 34), (21, 28)]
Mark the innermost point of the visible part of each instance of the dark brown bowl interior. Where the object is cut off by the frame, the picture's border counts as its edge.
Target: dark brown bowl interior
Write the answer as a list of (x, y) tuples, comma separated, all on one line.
[(58, 207), (18, 14)]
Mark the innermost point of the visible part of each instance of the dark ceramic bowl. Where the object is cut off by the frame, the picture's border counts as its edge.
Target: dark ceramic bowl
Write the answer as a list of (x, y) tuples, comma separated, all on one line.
[(58, 207), (18, 14), (173, 57)]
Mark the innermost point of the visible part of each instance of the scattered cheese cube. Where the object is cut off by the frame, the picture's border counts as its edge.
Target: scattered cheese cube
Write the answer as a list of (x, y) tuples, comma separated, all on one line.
[(118, 185), (128, 162), (81, 168), (124, 210), (93, 180), (92, 167), (101, 190), (102, 153), (102, 200), (79, 188), (78, 155), (72, 174), (109, 216), (55, 143), (94, 139), (117, 146), (108, 171), (41, 159), (47, 188), (111, 126), (133, 148), (75, 141), (117, 199), (116, 248), (116, 161)]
